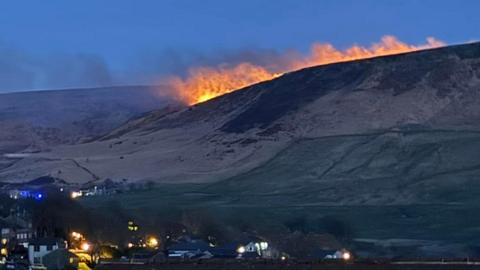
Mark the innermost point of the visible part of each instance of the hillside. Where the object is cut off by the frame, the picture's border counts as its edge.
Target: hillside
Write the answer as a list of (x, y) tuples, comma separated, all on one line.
[(383, 168), (336, 109), (35, 121)]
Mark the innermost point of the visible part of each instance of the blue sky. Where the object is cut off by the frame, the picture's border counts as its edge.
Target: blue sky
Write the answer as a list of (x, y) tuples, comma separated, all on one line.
[(58, 43)]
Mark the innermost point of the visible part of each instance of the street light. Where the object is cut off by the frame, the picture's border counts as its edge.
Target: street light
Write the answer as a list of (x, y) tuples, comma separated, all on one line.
[(152, 242), (85, 246), (241, 250), (346, 256), (75, 194), (77, 236)]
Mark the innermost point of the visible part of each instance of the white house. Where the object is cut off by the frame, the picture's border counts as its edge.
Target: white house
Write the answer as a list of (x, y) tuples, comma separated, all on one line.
[(23, 236), (189, 248), (334, 254), (38, 248), (254, 249), (6, 233)]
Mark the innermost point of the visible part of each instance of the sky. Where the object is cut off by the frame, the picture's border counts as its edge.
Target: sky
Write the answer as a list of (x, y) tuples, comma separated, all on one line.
[(55, 44)]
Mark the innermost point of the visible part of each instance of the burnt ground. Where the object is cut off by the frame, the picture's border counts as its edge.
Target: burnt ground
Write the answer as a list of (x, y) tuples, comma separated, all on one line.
[(289, 266)]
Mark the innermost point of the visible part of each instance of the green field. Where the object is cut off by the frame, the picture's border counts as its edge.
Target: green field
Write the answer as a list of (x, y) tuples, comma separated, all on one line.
[(453, 223), (421, 185)]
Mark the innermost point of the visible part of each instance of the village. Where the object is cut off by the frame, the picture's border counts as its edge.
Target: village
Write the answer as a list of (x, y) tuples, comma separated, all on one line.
[(27, 243)]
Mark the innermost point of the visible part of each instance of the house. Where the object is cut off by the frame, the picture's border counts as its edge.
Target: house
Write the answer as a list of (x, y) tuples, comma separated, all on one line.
[(58, 259), (257, 249), (6, 234), (7, 231), (189, 249), (23, 236), (16, 235), (25, 194), (251, 248), (38, 248), (333, 254), (159, 257), (141, 256), (3, 249), (227, 251)]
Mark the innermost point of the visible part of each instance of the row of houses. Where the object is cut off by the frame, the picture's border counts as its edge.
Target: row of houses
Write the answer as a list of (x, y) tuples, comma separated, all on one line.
[(249, 248), (20, 246), (17, 194), (191, 248), (19, 243), (38, 190), (188, 248), (54, 253)]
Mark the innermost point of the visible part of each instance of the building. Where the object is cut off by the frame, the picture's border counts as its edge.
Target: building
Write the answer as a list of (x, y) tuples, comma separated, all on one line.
[(189, 249), (16, 235), (7, 233), (58, 259), (23, 236), (227, 251), (3, 249), (7, 230), (142, 256), (38, 248), (257, 249), (333, 254), (25, 194)]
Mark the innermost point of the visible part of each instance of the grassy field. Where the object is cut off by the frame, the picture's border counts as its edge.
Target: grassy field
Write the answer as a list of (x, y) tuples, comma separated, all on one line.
[(387, 186), (456, 223)]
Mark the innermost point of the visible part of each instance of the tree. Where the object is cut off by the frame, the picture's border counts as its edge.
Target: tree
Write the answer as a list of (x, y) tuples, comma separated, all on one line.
[(6, 205), (335, 227)]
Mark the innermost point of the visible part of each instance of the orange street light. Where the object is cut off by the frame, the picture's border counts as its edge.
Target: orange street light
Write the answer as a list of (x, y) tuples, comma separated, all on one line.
[(85, 246)]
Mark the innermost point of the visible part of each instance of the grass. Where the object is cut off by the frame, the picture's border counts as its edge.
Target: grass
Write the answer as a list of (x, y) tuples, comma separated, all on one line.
[(453, 223), (404, 185)]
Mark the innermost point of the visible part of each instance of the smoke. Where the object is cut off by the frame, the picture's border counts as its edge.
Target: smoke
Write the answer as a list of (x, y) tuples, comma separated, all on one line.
[(154, 66), (20, 71), (193, 75), (16, 70), (81, 70), (208, 81)]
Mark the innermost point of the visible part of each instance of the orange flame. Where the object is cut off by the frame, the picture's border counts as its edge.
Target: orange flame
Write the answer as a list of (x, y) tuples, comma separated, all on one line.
[(322, 54), (204, 83)]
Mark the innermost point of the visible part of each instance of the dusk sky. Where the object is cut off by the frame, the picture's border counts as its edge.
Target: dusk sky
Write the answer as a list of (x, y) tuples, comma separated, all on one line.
[(63, 44)]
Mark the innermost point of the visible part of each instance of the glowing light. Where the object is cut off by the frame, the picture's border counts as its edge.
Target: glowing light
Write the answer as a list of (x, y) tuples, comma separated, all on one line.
[(77, 236), (85, 246), (130, 245), (204, 83), (241, 250), (132, 226), (283, 258), (152, 242), (263, 245), (346, 256), (75, 194)]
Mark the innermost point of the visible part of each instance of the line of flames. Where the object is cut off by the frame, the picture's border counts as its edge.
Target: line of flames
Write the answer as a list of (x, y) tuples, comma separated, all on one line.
[(204, 83)]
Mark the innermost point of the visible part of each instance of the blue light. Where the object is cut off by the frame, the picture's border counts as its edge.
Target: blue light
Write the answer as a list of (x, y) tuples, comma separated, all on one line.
[(24, 194), (39, 196)]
